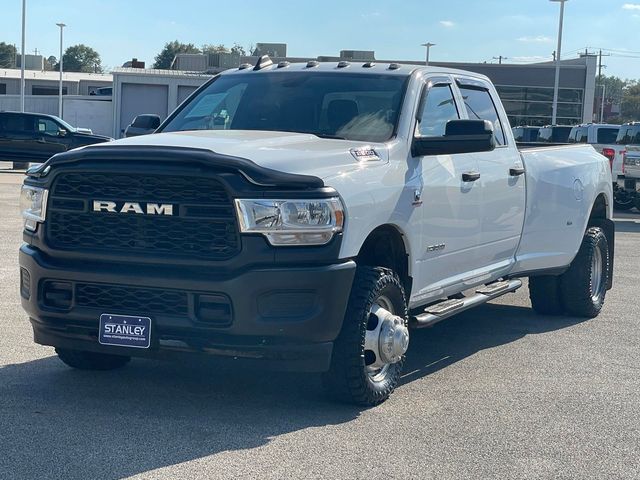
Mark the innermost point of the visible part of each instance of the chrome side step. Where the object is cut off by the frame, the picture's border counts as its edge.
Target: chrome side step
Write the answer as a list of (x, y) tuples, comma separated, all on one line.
[(439, 311)]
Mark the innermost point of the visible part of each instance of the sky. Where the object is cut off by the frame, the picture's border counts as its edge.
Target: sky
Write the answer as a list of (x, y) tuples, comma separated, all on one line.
[(463, 30)]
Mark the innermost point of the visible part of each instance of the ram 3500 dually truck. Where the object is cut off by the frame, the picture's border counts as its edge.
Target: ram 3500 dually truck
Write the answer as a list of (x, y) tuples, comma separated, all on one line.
[(308, 215)]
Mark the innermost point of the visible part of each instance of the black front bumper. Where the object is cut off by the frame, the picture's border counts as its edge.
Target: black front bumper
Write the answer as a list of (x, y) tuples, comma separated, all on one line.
[(284, 314)]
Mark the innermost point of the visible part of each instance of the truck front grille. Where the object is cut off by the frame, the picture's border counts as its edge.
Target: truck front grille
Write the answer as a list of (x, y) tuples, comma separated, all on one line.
[(203, 224), (129, 299)]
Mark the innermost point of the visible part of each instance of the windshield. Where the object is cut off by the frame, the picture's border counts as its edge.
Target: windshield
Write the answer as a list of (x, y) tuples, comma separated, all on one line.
[(327, 104), (65, 124)]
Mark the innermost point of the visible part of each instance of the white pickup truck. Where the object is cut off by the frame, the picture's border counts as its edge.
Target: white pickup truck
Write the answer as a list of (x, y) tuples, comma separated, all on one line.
[(309, 215)]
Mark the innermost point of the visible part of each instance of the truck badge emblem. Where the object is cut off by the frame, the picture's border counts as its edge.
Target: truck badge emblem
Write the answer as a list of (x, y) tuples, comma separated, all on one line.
[(133, 207)]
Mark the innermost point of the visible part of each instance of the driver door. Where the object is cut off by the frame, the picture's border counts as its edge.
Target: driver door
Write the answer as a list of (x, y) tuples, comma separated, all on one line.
[(451, 226), (49, 137)]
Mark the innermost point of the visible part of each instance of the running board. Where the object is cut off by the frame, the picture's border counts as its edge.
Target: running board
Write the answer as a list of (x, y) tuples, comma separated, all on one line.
[(439, 311)]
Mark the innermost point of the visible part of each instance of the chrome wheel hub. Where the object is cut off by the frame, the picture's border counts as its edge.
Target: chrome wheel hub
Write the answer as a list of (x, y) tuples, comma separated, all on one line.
[(386, 340)]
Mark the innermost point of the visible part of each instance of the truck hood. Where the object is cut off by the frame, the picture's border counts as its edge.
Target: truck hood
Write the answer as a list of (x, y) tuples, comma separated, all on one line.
[(297, 153)]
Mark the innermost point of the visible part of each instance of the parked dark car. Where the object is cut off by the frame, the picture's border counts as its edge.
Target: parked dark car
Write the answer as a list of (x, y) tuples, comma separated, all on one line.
[(142, 125), (35, 137), (525, 134), (554, 134)]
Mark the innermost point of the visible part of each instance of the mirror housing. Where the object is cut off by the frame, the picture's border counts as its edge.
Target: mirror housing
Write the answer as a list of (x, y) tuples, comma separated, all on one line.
[(62, 132), (148, 121), (461, 136)]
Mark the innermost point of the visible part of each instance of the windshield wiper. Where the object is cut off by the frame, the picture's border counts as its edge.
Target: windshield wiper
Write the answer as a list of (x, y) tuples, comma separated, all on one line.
[(328, 135)]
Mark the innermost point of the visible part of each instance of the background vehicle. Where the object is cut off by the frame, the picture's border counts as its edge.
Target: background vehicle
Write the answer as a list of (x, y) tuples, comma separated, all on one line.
[(525, 134), (35, 137), (601, 135), (629, 183), (142, 125), (624, 192), (102, 92), (554, 134), (335, 206)]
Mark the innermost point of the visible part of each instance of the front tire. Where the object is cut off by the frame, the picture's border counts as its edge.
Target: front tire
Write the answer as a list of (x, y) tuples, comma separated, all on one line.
[(368, 354), (91, 360), (584, 286)]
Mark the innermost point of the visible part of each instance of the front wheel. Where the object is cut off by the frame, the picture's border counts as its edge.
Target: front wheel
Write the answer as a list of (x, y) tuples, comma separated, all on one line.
[(91, 360), (369, 353)]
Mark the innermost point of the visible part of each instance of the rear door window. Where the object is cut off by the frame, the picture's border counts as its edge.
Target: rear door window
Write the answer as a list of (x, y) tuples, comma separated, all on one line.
[(607, 135), (12, 122), (480, 106)]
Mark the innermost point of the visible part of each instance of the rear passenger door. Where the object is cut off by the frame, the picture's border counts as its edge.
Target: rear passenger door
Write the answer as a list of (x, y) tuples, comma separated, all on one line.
[(502, 178), (14, 137)]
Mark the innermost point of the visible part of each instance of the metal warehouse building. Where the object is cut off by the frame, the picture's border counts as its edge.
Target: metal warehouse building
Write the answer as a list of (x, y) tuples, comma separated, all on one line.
[(46, 83)]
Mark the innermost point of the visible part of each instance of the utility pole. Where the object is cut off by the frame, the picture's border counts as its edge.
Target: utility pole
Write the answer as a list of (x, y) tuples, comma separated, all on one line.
[(556, 87), (61, 25), (24, 24), (500, 58), (600, 67), (428, 46)]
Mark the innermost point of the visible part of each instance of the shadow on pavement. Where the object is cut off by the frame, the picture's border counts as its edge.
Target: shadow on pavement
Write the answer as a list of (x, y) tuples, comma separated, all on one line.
[(58, 422), (487, 326)]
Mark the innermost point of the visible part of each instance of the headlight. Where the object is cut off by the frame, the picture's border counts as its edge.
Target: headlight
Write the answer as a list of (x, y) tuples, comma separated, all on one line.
[(33, 203), (292, 222)]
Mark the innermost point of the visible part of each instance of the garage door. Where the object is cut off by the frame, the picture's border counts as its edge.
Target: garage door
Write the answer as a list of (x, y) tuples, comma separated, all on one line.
[(184, 91), (142, 98)]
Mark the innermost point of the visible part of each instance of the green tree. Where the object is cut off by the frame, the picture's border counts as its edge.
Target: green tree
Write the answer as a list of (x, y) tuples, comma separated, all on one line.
[(50, 63), (239, 49), (171, 49), (80, 58), (614, 88), (630, 107), (211, 48), (7, 55)]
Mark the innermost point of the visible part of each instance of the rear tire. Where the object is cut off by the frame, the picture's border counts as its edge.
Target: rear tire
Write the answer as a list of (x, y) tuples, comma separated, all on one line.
[(584, 286), (623, 206), (544, 292), (91, 360), (349, 378)]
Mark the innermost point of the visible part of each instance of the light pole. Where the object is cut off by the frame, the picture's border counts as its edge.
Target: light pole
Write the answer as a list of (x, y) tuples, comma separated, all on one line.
[(604, 89), (557, 80), (428, 45), (61, 25), (24, 23)]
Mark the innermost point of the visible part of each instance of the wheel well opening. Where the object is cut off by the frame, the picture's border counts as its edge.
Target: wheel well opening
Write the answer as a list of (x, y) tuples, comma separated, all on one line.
[(384, 247), (599, 210)]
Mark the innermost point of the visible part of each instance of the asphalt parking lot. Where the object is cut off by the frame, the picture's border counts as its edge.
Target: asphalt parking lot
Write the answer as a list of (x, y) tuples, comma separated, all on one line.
[(497, 392)]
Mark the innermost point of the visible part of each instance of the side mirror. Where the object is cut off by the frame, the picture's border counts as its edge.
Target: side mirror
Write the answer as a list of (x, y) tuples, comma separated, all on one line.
[(62, 132), (147, 121), (461, 136)]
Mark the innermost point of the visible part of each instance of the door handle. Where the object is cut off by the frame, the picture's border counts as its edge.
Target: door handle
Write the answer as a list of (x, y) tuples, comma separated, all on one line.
[(470, 176), (516, 171)]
